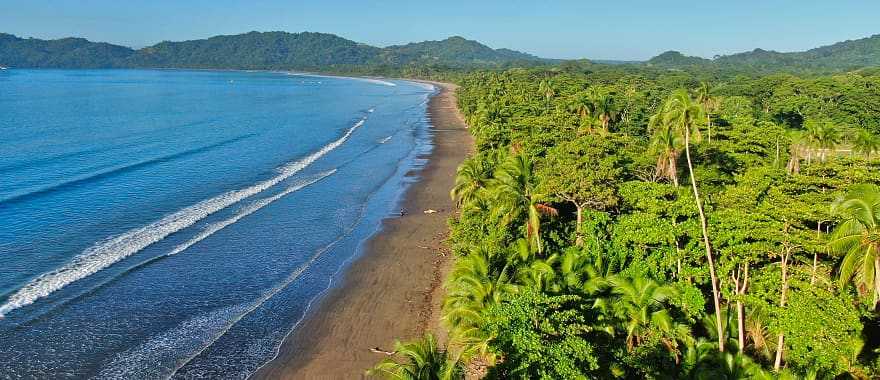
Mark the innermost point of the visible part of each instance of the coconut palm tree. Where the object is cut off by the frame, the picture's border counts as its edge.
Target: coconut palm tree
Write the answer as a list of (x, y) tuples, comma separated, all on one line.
[(477, 281), (547, 91), (666, 141), (829, 137), (640, 303), (821, 135), (471, 177), (858, 238), (796, 150), (422, 359), (517, 197), (705, 98), (866, 143), (571, 271), (603, 108), (475, 284), (681, 114), (582, 106)]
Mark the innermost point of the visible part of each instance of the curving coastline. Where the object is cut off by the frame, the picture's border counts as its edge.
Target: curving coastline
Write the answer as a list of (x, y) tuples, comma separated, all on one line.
[(393, 291)]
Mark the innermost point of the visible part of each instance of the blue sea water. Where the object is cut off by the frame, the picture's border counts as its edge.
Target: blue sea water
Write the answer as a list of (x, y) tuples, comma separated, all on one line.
[(178, 224)]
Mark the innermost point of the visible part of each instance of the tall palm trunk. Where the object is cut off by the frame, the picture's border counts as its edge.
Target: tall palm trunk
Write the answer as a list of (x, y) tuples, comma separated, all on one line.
[(816, 254), (741, 283), (709, 125), (673, 169), (703, 225), (577, 230), (780, 340)]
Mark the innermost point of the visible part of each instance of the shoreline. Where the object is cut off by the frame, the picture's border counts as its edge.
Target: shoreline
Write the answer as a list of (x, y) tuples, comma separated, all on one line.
[(393, 290)]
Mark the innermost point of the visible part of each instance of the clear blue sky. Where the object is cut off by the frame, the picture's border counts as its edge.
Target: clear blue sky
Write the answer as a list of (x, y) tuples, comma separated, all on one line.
[(555, 29)]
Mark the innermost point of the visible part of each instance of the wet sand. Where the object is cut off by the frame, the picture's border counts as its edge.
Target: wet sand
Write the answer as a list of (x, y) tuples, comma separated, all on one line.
[(393, 291)]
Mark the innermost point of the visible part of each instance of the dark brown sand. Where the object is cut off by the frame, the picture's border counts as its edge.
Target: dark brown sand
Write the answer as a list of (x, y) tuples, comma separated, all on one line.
[(394, 290)]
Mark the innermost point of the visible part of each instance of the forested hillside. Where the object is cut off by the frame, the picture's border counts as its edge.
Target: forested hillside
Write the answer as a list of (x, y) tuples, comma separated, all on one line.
[(839, 57), (453, 51), (331, 53), (625, 224), (62, 53), (255, 50)]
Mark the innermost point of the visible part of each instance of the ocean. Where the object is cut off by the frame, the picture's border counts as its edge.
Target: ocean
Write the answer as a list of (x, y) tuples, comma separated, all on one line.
[(178, 224)]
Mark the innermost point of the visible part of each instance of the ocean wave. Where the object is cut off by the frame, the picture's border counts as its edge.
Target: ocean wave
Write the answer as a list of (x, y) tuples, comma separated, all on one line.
[(157, 358), (250, 209), (362, 79), (117, 170), (207, 232), (426, 86), (108, 252), (293, 276)]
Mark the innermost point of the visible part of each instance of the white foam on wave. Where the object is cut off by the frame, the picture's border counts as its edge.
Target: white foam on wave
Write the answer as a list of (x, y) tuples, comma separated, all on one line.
[(158, 357), (250, 209), (249, 308), (385, 140), (108, 252), (426, 86), (362, 79)]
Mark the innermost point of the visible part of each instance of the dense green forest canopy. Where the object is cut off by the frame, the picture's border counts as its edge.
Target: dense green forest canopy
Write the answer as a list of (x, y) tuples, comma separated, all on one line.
[(629, 222)]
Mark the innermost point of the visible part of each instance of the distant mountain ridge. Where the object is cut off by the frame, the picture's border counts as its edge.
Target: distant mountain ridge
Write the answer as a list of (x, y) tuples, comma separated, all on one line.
[(328, 52), (841, 56), (253, 50)]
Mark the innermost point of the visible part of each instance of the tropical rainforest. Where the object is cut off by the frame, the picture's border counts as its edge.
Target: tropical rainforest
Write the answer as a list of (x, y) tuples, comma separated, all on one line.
[(621, 223)]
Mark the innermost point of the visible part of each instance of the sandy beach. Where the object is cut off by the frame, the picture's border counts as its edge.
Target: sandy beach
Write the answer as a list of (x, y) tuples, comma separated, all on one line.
[(393, 291)]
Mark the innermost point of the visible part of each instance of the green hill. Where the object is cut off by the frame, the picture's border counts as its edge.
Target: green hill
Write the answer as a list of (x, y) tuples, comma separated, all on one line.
[(254, 50), (676, 59), (842, 56), (455, 51), (62, 53)]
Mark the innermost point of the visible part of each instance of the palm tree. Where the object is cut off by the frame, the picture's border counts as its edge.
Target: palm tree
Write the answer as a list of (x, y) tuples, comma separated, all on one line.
[(582, 106), (866, 143), (471, 177), (603, 108), (572, 272), (702, 361), (821, 135), (640, 303), (681, 114), (473, 286), (666, 141), (705, 98), (546, 90), (829, 137), (515, 191), (421, 360), (811, 137), (858, 238), (795, 150)]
